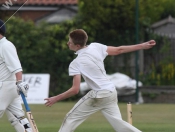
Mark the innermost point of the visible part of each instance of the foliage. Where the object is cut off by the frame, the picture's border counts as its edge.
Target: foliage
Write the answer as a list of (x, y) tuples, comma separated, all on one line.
[(112, 22), (43, 49), (160, 66), (169, 6), (163, 74), (107, 21), (152, 11)]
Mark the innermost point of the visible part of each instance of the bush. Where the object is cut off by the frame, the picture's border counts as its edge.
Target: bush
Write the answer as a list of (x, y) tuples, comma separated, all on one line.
[(43, 49), (160, 75)]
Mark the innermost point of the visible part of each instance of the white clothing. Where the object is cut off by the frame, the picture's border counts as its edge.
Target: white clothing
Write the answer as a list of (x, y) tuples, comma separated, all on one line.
[(102, 97), (89, 104), (9, 99), (9, 65), (89, 63), (9, 61)]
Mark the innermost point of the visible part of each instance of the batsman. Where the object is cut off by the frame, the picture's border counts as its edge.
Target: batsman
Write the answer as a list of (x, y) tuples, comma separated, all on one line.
[(11, 84), (103, 95)]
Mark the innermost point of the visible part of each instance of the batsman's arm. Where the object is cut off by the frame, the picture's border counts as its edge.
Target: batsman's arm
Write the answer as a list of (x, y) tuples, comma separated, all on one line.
[(29, 114), (18, 76)]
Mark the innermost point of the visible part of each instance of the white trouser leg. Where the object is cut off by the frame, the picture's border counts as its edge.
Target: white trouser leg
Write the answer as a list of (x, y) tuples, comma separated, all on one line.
[(16, 109), (11, 104), (8, 93), (106, 101), (80, 112), (83, 109), (15, 122), (21, 124), (112, 114)]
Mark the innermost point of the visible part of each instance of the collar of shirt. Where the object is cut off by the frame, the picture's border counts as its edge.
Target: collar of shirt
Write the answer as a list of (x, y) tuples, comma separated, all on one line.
[(80, 50), (2, 39)]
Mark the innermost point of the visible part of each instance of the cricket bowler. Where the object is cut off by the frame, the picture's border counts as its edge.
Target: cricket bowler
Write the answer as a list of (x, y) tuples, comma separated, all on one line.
[(103, 95), (11, 83)]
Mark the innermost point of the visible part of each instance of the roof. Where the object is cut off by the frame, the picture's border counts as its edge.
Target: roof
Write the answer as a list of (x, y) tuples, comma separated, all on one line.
[(41, 2), (58, 16), (165, 27), (170, 19)]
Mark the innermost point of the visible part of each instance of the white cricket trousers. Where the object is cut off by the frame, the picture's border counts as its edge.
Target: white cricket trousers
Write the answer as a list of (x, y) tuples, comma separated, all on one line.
[(9, 99), (104, 101)]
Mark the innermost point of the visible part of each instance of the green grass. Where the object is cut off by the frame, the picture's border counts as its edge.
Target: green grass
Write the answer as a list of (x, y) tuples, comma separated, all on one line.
[(146, 117)]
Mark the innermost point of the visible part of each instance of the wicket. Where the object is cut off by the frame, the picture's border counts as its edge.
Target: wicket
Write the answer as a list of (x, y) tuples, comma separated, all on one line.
[(129, 112)]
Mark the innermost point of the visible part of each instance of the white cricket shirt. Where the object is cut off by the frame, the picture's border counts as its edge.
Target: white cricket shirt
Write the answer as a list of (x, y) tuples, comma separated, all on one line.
[(9, 61), (89, 63)]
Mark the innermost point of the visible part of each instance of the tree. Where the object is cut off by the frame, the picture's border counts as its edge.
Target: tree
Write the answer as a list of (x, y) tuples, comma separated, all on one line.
[(43, 49), (107, 21), (112, 22)]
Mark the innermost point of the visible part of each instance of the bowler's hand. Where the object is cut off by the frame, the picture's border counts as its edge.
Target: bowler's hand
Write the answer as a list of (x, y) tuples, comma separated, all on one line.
[(149, 44), (51, 101)]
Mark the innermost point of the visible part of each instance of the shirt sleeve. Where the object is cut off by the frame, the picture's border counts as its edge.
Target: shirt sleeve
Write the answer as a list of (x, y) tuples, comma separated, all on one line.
[(73, 69), (11, 58), (102, 49)]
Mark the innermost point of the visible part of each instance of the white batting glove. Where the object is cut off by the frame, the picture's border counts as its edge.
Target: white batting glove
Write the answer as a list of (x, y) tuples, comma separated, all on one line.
[(22, 87)]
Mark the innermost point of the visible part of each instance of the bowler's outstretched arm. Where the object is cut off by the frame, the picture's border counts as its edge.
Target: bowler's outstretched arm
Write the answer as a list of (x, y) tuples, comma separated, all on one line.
[(111, 50)]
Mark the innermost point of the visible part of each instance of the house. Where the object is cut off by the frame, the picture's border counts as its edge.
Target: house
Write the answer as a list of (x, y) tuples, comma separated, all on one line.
[(52, 11), (166, 28)]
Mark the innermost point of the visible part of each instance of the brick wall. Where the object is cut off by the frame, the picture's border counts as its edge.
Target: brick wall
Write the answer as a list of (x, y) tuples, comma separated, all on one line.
[(27, 15)]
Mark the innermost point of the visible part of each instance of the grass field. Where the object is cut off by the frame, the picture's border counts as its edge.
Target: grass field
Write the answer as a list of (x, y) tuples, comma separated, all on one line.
[(146, 117)]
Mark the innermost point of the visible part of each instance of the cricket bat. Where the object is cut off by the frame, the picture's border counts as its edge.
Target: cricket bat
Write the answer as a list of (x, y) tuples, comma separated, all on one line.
[(29, 114), (129, 112)]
